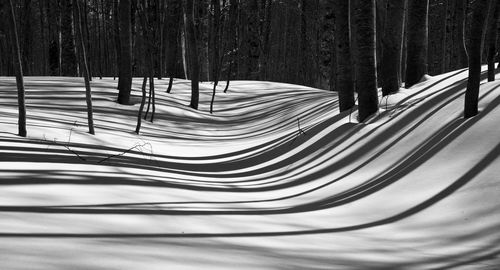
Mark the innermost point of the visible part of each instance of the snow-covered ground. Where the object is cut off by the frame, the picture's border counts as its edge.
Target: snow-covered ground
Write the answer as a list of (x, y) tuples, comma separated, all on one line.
[(415, 187)]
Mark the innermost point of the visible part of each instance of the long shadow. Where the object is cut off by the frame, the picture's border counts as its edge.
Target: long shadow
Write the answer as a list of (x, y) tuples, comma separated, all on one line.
[(463, 180)]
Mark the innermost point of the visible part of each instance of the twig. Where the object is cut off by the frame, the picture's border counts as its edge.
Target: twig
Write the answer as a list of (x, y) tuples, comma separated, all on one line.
[(299, 132), (123, 153)]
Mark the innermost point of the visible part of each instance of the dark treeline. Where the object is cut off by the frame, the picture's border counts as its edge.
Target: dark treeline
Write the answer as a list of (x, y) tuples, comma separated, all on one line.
[(346, 46), (286, 41)]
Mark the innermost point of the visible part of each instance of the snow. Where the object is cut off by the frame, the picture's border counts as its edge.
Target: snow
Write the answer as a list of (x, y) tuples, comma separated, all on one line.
[(414, 187)]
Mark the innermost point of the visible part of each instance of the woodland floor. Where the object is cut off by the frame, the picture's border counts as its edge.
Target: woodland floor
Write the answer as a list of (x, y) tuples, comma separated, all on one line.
[(415, 187)]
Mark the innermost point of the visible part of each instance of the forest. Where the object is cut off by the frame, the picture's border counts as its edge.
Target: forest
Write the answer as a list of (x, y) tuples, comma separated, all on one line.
[(272, 134), (322, 44)]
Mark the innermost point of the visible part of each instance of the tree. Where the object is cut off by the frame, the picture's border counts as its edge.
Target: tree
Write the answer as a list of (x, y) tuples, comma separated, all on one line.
[(344, 83), (366, 66), (143, 100), (478, 27), (68, 54), (215, 36), (461, 7), (193, 52), (83, 65), (418, 24), (172, 39), (233, 44), (492, 40), (125, 59), (393, 43), (18, 70)]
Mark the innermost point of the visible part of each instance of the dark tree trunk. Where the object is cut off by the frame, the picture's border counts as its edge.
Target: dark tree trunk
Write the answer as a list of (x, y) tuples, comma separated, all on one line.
[(344, 78), (253, 41), (143, 100), (416, 58), (233, 29), (478, 27), (172, 39), (193, 53), (393, 44), (68, 54), (18, 70), (125, 59), (116, 35), (492, 41), (366, 65), (461, 7), (83, 65), (216, 43)]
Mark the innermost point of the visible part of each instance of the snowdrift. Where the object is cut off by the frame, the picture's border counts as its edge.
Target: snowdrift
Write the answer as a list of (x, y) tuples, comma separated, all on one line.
[(274, 179)]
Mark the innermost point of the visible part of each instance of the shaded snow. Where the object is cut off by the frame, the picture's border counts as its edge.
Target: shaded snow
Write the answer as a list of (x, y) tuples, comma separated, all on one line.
[(415, 187)]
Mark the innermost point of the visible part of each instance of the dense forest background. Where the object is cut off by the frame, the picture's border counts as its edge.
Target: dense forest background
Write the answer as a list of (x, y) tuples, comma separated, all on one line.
[(352, 47), (285, 41)]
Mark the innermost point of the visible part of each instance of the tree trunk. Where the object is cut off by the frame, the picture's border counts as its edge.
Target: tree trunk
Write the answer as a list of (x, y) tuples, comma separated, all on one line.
[(461, 6), (143, 100), (393, 44), (172, 39), (233, 29), (344, 84), (492, 40), (193, 53), (416, 59), (19, 72), (478, 27), (216, 43), (68, 54), (125, 65), (253, 41), (83, 65), (366, 64)]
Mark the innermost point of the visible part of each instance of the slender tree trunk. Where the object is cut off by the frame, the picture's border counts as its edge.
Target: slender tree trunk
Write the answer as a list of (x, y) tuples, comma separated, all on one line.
[(143, 100), (366, 64), (478, 28), (116, 31), (393, 44), (172, 39), (125, 80), (68, 54), (418, 24), (81, 45), (19, 72), (460, 20), (216, 43), (344, 77), (492, 40), (233, 29), (193, 52)]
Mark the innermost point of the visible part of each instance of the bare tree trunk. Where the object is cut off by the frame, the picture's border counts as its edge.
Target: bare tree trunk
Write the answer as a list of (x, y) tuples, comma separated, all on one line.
[(193, 53), (366, 64), (216, 42), (492, 40), (418, 24), (233, 29), (125, 80), (393, 43), (19, 72), (68, 55), (81, 45), (460, 21), (143, 100), (478, 28), (344, 78)]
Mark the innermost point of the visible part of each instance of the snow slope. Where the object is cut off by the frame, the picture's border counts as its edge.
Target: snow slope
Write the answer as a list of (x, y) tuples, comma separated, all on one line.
[(415, 187)]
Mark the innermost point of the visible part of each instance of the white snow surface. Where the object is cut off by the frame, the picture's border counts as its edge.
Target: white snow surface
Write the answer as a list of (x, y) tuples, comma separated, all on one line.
[(415, 187)]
